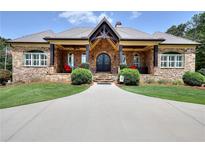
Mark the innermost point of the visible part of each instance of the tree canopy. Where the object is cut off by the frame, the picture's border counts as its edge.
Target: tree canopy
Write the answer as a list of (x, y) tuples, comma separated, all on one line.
[(193, 29), (3, 54)]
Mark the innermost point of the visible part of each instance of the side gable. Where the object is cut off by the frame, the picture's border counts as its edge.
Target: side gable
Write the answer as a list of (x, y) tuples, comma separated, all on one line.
[(104, 30)]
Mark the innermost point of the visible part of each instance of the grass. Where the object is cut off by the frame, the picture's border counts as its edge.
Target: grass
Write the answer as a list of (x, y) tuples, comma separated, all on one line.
[(177, 93), (16, 95)]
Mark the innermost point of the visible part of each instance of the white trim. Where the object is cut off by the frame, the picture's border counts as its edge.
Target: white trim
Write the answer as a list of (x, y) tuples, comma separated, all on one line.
[(71, 63), (167, 61), (83, 58), (39, 60)]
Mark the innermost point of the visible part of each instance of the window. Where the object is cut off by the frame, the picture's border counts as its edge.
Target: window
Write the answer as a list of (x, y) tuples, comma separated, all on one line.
[(136, 60), (35, 59), (83, 58), (124, 59), (172, 60), (71, 59)]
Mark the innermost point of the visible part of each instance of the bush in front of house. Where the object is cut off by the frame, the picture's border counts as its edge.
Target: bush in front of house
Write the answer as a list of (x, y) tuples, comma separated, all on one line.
[(85, 65), (163, 81), (5, 75), (81, 76), (202, 71), (131, 76), (122, 66), (193, 78)]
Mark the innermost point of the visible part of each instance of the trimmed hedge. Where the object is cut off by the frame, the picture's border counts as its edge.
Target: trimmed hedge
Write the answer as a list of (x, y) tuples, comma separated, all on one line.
[(85, 65), (193, 78), (202, 71), (131, 76), (5, 75), (81, 76)]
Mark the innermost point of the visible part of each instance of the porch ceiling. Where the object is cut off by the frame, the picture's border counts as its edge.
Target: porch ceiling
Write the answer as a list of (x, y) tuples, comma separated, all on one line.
[(71, 47), (137, 48)]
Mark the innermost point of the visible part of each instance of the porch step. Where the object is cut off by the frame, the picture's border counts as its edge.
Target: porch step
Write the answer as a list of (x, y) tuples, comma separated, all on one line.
[(104, 78)]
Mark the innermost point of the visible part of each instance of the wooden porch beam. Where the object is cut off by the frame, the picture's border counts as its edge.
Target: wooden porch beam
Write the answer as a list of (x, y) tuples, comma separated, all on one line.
[(120, 53), (52, 48), (87, 52), (156, 55)]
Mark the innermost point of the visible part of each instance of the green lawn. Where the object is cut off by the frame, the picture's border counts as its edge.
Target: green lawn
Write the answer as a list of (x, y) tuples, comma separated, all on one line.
[(16, 95), (178, 93)]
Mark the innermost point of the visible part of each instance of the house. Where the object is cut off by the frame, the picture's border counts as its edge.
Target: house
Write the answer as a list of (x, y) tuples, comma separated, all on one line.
[(43, 55)]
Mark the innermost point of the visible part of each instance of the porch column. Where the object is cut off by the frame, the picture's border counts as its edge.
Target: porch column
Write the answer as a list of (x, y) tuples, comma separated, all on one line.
[(155, 55), (120, 53), (52, 48), (87, 52)]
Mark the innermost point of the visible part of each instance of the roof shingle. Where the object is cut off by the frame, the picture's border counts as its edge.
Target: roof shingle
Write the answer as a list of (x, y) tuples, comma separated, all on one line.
[(171, 39), (36, 37)]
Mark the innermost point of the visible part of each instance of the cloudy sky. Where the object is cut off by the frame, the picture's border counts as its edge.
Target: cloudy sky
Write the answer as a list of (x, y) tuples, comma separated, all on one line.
[(17, 24)]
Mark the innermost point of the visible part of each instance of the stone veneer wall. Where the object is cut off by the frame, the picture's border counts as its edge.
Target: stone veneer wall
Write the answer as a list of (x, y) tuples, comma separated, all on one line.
[(61, 58), (25, 73), (176, 73), (104, 47), (146, 58)]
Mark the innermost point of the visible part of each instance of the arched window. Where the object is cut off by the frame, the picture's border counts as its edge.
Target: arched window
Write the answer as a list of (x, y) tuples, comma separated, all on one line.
[(35, 58), (172, 60), (136, 60)]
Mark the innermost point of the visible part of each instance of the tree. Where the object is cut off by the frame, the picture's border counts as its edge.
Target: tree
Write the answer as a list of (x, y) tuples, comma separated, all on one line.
[(194, 30), (177, 30), (3, 54)]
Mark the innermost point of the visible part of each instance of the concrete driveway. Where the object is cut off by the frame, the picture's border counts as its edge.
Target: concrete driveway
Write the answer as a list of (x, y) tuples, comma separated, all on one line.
[(104, 113)]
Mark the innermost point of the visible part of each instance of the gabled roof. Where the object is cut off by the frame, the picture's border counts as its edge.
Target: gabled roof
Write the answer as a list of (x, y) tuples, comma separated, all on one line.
[(79, 32), (35, 38), (134, 34), (171, 39), (104, 20), (123, 33)]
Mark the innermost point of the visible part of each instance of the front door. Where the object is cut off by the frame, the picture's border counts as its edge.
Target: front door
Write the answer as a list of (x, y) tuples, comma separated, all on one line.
[(103, 63)]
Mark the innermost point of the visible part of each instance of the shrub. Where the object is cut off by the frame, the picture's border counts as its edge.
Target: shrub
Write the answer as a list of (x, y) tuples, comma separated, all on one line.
[(122, 66), (202, 71), (150, 81), (85, 65), (131, 77), (81, 76), (193, 78), (5, 75), (177, 82), (163, 81)]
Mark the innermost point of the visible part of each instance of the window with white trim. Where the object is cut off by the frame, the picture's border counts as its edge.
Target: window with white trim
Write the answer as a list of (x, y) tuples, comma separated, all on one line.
[(71, 60), (35, 59), (136, 60), (83, 58), (172, 60), (124, 59)]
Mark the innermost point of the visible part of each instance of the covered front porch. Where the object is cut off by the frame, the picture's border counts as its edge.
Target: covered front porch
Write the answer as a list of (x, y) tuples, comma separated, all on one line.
[(105, 56)]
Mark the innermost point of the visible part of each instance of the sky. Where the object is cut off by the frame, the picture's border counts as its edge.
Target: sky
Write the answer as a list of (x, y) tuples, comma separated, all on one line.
[(17, 24)]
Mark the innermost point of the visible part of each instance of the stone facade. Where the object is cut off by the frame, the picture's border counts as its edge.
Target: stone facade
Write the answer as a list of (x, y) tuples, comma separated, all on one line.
[(58, 77), (24, 73), (176, 73), (56, 73), (146, 58), (104, 46)]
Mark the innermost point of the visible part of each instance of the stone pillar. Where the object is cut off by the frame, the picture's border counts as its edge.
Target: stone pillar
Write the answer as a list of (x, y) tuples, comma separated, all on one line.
[(156, 55), (120, 53), (87, 53), (52, 48)]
